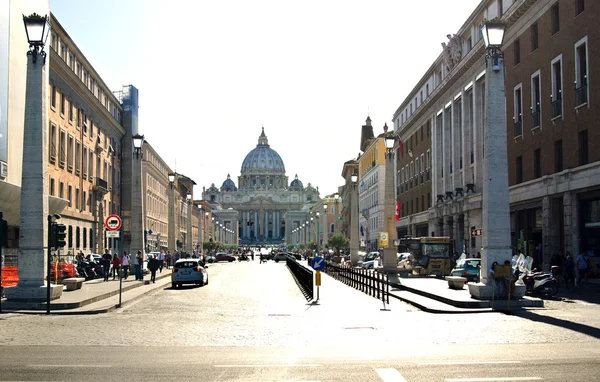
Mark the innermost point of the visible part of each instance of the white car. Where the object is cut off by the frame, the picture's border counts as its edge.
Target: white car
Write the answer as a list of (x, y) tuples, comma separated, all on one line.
[(188, 271)]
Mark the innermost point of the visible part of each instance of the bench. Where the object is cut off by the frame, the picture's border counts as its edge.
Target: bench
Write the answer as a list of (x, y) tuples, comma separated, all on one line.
[(456, 282), (73, 283)]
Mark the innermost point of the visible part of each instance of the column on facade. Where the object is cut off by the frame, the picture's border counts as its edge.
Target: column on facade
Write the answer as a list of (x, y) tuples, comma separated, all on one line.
[(478, 118), (571, 223), (456, 143), (446, 226), (467, 136), (438, 178), (449, 165), (455, 233), (469, 250)]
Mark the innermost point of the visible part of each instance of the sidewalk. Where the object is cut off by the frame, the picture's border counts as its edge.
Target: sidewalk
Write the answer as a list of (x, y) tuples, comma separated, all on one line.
[(95, 296)]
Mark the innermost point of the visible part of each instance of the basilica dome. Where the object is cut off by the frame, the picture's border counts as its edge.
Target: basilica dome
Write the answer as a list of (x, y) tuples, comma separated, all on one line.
[(228, 184), (263, 159)]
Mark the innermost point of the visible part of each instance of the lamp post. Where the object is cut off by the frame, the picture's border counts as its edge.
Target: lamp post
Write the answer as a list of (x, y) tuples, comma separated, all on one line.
[(336, 196), (325, 226), (318, 238), (33, 230), (495, 200), (137, 201), (354, 220), (390, 259), (171, 218), (189, 238)]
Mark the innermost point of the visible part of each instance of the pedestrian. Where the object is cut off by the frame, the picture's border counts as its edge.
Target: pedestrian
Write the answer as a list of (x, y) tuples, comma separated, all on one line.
[(116, 265), (569, 272), (105, 261), (168, 258), (138, 264), (153, 265), (161, 259), (125, 264), (582, 267)]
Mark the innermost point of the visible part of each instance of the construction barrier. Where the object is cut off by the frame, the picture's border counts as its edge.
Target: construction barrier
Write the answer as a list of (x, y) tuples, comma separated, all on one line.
[(10, 276)]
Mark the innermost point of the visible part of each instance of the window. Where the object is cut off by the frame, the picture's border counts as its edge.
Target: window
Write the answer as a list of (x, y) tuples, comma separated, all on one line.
[(428, 200), (62, 104), (84, 202), (519, 169), (53, 97), (52, 145), (556, 95), (583, 148), (61, 190), (77, 157), (554, 18), (579, 6), (52, 186), (70, 194), (558, 156), (91, 166), (517, 51), (537, 163), (62, 143), (428, 164), (535, 100), (518, 111), (581, 71), (77, 198), (70, 111), (84, 162), (535, 37)]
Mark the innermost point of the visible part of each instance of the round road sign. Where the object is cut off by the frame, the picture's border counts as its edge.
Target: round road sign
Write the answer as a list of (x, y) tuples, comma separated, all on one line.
[(113, 223)]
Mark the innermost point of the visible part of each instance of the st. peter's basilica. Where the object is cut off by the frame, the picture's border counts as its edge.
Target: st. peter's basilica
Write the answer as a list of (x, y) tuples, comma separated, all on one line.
[(264, 203)]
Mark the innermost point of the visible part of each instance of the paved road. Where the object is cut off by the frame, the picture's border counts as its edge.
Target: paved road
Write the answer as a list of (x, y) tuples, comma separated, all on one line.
[(251, 323)]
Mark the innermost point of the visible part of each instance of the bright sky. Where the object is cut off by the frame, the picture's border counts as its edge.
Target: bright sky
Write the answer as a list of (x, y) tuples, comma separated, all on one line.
[(212, 73)]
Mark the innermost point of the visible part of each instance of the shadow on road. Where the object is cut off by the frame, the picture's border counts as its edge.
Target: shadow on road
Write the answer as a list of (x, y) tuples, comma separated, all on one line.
[(580, 328)]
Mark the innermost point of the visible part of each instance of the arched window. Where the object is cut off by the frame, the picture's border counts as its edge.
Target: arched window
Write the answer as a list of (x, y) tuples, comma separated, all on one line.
[(84, 238), (77, 238), (332, 228)]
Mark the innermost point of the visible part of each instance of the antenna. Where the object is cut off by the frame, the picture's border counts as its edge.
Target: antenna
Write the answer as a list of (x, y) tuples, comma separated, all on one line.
[(175, 169)]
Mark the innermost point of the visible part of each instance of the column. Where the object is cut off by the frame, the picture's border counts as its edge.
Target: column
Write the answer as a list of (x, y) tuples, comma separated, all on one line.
[(469, 250), (171, 220), (137, 207), (189, 236), (571, 219)]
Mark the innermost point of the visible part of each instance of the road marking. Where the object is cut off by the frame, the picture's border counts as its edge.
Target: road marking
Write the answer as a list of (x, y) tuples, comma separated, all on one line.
[(98, 366), (275, 365), (493, 379), (468, 363), (390, 375)]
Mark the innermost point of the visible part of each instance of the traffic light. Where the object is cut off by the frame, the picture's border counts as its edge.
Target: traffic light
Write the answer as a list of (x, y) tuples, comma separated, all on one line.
[(3, 232), (58, 235)]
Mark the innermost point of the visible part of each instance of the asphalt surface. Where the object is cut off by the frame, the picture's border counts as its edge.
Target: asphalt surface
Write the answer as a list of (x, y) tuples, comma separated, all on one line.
[(251, 323)]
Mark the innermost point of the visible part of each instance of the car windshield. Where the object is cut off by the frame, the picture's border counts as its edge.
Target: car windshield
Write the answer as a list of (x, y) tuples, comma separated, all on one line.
[(186, 264), (471, 263)]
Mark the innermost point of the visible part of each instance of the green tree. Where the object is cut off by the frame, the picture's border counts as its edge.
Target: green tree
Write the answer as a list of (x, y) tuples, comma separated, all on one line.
[(338, 241)]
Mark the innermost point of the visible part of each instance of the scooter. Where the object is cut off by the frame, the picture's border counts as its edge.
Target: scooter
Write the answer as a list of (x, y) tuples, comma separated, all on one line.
[(541, 283), (243, 258)]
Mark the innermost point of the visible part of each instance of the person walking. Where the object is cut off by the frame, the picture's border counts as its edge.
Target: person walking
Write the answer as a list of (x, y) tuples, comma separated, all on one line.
[(569, 272), (105, 261), (168, 258), (161, 259), (153, 265), (582, 267), (125, 263), (116, 265), (138, 263)]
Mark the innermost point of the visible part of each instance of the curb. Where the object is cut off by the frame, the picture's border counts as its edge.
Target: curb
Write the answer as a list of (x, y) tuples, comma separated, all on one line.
[(440, 311)]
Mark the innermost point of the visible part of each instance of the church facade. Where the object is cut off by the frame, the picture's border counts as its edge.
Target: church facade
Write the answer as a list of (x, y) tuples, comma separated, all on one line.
[(262, 198)]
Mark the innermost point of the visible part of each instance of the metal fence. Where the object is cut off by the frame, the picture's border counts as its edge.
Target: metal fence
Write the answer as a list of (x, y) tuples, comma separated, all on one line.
[(303, 277), (368, 281)]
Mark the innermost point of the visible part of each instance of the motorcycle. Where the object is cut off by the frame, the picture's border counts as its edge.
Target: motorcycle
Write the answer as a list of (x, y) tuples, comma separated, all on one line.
[(540, 283), (243, 258)]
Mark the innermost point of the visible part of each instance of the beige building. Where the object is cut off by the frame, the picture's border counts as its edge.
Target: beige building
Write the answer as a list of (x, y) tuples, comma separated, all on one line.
[(155, 187)]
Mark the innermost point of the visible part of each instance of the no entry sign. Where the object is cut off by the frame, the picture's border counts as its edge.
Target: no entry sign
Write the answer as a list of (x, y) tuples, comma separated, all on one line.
[(113, 223)]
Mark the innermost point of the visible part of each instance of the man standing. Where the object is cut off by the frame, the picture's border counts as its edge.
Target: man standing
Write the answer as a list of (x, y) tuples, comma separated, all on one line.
[(106, 260), (582, 267), (138, 263), (161, 259), (125, 264), (153, 265)]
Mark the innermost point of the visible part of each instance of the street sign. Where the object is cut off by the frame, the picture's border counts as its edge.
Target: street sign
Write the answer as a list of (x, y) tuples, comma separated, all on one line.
[(318, 263), (112, 234), (318, 278), (477, 232), (113, 223), (149, 232)]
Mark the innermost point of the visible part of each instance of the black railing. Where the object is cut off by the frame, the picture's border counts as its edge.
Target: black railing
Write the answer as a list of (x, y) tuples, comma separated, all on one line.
[(535, 119), (303, 277), (556, 108), (518, 128), (101, 184), (368, 281), (581, 95)]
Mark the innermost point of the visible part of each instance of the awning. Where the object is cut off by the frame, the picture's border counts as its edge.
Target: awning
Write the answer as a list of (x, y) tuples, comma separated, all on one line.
[(10, 203)]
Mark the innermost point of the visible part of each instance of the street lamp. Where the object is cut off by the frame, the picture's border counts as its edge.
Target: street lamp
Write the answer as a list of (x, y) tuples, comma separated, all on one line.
[(189, 238), (354, 220), (171, 179), (318, 230), (171, 243), (138, 142), (390, 261), (37, 28), (137, 201), (495, 199)]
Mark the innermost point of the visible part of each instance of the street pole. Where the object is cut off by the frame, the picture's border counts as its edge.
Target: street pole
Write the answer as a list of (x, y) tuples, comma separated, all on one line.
[(49, 255), (390, 259), (354, 222)]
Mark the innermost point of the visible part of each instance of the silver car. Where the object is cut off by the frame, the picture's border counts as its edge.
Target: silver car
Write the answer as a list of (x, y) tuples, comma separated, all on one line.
[(188, 271)]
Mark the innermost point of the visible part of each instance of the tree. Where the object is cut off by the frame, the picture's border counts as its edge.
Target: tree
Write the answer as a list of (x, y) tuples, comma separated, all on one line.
[(338, 241)]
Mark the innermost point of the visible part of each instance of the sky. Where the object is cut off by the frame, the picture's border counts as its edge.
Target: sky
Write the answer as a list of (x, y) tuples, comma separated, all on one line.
[(212, 73)]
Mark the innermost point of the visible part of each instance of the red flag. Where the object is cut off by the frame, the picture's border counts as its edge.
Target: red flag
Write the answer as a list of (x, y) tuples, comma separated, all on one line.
[(397, 211), (400, 146)]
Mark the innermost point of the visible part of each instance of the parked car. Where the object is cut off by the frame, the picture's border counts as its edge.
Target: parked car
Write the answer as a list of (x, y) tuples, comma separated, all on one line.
[(281, 256), (211, 259), (222, 256), (467, 268), (188, 271)]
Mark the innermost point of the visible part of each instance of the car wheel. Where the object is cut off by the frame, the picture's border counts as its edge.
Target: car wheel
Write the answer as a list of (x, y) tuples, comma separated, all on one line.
[(230, 260), (173, 285), (206, 283)]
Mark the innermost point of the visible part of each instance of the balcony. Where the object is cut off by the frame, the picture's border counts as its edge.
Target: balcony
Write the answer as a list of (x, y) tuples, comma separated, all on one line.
[(518, 128), (581, 95), (101, 185), (535, 119), (557, 108)]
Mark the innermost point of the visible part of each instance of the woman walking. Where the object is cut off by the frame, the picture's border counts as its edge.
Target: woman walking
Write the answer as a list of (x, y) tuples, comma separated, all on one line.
[(116, 265)]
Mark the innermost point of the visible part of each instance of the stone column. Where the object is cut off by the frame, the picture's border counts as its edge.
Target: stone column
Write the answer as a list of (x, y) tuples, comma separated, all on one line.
[(445, 227), (33, 229), (137, 207), (171, 220), (470, 251), (568, 222), (495, 200), (390, 259), (455, 233), (189, 236)]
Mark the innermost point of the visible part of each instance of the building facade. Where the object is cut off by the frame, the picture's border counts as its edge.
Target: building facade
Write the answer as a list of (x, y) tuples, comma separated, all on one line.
[(262, 199), (155, 185)]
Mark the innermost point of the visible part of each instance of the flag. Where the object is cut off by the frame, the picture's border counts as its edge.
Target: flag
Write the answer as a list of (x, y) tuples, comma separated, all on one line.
[(362, 233), (400, 146), (397, 211)]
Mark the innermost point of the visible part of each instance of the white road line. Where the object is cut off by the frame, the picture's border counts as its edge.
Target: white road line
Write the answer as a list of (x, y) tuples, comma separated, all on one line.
[(493, 379), (274, 365), (468, 363), (91, 366), (390, 375)]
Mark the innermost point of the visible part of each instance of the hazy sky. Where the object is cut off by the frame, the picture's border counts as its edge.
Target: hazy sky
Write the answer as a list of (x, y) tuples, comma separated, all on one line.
[(212, 73)]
